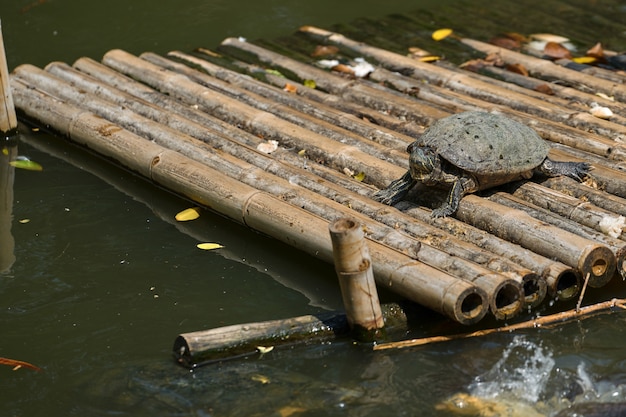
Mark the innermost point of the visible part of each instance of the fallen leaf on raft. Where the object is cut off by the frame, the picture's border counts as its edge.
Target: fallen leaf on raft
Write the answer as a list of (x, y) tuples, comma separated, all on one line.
[(505, 42), (188, 214), (268, 147), (415, 52), (584, 59), (310, 84), (596, 51), (605, 96), (518, 69), (302, 152), (430, 58), (600, 112), (322, 50), (27, 164), (209, 246), (441, 34), (549, 37), (18, 364), (274, 72), (360, 176), (556, 51), (545, 89), (290, 88)]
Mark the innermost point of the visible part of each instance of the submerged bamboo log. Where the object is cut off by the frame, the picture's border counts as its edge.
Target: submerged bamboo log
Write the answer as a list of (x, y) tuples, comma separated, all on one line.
[(205, 346), (356, 280), (8, 120), (428, 286), (587, 256), (505, 291)]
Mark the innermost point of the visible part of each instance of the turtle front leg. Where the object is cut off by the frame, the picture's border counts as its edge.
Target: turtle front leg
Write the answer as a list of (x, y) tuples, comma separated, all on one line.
[(396, 190), (451, 205), (574, 170)]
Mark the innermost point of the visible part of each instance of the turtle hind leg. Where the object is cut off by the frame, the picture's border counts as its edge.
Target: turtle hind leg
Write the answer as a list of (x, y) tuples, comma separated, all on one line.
[(575, 170), (396, 190)]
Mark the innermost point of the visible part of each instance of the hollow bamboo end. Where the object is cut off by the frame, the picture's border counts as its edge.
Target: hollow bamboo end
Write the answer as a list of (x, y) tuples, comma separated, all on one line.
[(600, 263), (535, 289), (563, 283), (467, 306), (507, 300), (182, 352)]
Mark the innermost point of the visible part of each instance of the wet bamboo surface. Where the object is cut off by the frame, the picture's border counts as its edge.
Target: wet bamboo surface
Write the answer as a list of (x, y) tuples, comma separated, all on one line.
[(195, 123)]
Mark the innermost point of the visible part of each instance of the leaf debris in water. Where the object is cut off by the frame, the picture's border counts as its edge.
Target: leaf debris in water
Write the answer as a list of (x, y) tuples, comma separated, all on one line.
[(440, 34), (188, 214), (209, 246)]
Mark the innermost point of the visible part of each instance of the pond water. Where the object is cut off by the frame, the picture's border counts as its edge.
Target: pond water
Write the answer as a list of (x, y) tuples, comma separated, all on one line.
[(99, 278)]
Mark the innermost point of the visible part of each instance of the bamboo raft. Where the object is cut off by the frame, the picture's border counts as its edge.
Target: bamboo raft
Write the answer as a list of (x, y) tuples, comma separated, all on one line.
[(197, 124)]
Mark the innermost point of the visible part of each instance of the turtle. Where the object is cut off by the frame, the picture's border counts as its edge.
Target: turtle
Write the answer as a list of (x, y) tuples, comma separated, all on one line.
[(473, 151)]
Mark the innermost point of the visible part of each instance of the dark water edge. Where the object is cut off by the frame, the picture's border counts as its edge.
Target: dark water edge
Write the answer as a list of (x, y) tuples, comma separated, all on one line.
[(104, 278)]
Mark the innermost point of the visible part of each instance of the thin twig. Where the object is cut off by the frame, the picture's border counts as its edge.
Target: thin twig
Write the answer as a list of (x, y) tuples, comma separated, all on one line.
[(582, 292), (563, 316)]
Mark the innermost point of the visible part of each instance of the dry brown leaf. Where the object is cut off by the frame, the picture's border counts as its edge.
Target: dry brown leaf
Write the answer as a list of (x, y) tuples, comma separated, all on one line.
[(474, 65), (290, 88), (505, 42), (596, 51), (556, 51), (518, 69), (544, 88), (323, 50)]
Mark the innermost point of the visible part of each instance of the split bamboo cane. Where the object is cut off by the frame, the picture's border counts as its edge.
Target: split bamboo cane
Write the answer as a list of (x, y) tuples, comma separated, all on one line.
[(8, 119)]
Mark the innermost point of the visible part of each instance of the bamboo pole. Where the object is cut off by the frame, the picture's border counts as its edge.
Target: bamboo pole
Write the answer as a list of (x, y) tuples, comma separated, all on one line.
[(8, 119), (546, 69), (204, 346), (506, 291), (7, 178), (586, 256), (356, 280), (430, 287), (580, 211), (545, 213)]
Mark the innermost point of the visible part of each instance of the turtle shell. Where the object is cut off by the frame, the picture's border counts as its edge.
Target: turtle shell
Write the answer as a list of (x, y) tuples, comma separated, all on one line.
[(486, 144)]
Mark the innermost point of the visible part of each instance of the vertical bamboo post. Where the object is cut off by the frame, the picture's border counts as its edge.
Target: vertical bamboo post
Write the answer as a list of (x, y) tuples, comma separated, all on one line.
[(8, 120), (356, 280)]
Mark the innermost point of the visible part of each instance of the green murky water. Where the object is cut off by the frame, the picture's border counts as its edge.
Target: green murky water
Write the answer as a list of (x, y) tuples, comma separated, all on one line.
[(103, 279)]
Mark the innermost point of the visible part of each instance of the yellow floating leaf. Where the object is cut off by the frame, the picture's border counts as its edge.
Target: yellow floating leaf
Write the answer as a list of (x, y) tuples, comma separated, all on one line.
[(440, 34), (265, 349), (5, 151), (260, 378), (209, 246), (360, 176), (26, 164), (188, 214), (310, 84), (289, 410), (584, 59), (24, 221)]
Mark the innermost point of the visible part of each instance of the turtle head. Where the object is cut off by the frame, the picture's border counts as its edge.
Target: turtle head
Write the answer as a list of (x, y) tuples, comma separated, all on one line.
[(423, 160)]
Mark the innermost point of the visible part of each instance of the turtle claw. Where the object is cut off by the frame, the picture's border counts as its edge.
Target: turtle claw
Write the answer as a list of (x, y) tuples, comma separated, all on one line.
[(575, 170), (396, 190)]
